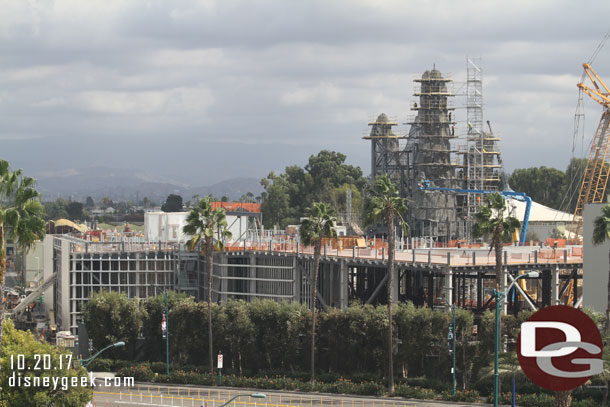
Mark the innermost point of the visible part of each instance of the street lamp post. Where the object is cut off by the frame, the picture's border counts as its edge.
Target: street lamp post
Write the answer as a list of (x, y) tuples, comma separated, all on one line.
[(500, 298), (85, 362), (453, 349), (166, 335), (253, 395)]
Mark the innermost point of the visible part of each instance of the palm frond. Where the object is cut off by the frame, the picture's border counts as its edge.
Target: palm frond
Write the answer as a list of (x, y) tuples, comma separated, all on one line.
[(385, 197), (319, 224), (206, 226), (601, 226)]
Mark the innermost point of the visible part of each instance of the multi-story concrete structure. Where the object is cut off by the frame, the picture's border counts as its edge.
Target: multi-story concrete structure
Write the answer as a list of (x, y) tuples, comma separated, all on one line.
[(140, 270), (281, 270)]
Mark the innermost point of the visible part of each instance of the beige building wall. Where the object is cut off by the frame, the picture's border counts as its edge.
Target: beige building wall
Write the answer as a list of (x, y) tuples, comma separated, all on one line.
[(595, 263)]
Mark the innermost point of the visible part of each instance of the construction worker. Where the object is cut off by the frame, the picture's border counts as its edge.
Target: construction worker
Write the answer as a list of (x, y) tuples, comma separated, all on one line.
[(469, 127)]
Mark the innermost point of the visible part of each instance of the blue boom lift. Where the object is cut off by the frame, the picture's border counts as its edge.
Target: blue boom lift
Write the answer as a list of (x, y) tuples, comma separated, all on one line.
[(521, 196)]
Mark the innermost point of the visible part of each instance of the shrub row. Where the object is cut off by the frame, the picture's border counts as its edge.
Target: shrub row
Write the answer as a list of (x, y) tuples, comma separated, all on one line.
[(266, 335)]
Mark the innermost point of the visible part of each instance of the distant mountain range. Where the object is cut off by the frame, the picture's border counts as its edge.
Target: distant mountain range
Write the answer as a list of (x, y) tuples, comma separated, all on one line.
[(124, 185)]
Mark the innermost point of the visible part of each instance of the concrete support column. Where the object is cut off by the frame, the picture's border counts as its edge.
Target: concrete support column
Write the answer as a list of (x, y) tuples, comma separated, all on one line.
[(555, 282), (449, 287), (395, 285), (343, 285), (480, 291), (48, 268), (430, 298), (223, 272), (63, 286), (546, 288), (297, 278), (251, 276)]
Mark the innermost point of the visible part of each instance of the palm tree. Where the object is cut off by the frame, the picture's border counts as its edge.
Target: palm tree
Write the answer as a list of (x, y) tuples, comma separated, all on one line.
[(491, 221), (601, 232), (209, 228), (386, 204), (21, 217), (319, 224)]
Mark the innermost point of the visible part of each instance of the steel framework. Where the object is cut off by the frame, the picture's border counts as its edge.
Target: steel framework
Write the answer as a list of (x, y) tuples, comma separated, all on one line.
[(595, 177)]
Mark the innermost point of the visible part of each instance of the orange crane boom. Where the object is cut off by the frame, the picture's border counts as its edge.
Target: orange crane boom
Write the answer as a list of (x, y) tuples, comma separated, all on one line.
[(595, 177)]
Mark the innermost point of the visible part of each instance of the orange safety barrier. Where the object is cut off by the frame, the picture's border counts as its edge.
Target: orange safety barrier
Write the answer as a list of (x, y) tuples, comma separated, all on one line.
[(457, 243), (344, 242), (237, 206), (550, 254), (378, 244)]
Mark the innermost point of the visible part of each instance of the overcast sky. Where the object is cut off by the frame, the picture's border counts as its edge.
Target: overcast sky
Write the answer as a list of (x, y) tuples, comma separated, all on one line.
[(207, 90)]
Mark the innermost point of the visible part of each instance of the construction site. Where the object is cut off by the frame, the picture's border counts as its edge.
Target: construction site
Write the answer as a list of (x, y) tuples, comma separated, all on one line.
[(445, 164), (443, 168)]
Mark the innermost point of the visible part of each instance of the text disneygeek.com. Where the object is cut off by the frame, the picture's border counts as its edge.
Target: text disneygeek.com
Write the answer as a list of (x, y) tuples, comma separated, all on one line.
[(33, 374)]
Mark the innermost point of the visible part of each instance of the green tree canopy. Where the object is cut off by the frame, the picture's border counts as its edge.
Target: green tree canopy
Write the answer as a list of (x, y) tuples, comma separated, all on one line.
[(173, 203), (111, 317), (549, 186), (154, 346), (544, 185), (75, 210), (56, 209), (16, 342), (287, 195)]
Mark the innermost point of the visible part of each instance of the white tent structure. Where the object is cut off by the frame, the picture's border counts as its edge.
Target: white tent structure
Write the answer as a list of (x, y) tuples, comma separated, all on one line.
[(543, 220)]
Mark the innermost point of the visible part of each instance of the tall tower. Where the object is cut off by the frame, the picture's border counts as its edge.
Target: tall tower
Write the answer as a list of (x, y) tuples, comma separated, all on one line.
[(432, 213), (386, 155), (481, 160)]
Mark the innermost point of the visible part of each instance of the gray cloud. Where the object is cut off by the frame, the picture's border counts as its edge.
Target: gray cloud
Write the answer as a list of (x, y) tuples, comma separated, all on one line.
[(149, 84)]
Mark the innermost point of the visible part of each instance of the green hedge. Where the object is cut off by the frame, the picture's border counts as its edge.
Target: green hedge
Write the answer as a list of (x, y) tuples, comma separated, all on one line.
[(266, 336)]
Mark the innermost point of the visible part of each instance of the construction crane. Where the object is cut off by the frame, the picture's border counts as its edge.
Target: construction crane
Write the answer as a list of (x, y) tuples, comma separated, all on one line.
[(595, 177), (517, 195)]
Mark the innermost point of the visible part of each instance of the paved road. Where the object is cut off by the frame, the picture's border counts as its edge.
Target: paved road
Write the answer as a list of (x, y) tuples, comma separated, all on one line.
[(149, 396)]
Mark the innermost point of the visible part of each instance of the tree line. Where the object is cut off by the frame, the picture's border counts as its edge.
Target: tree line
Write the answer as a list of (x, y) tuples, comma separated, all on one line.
[(264, 336), (325, 178), (549, 186)]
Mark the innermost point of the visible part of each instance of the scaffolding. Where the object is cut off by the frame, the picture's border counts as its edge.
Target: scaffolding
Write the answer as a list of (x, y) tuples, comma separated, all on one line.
[(431, 149), (386, 155), (432, 154), (481, 159)]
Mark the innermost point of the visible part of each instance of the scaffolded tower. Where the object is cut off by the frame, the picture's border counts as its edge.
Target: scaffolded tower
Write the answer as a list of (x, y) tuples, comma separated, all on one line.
[(386, 155), (429, 142), (481, 167)]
